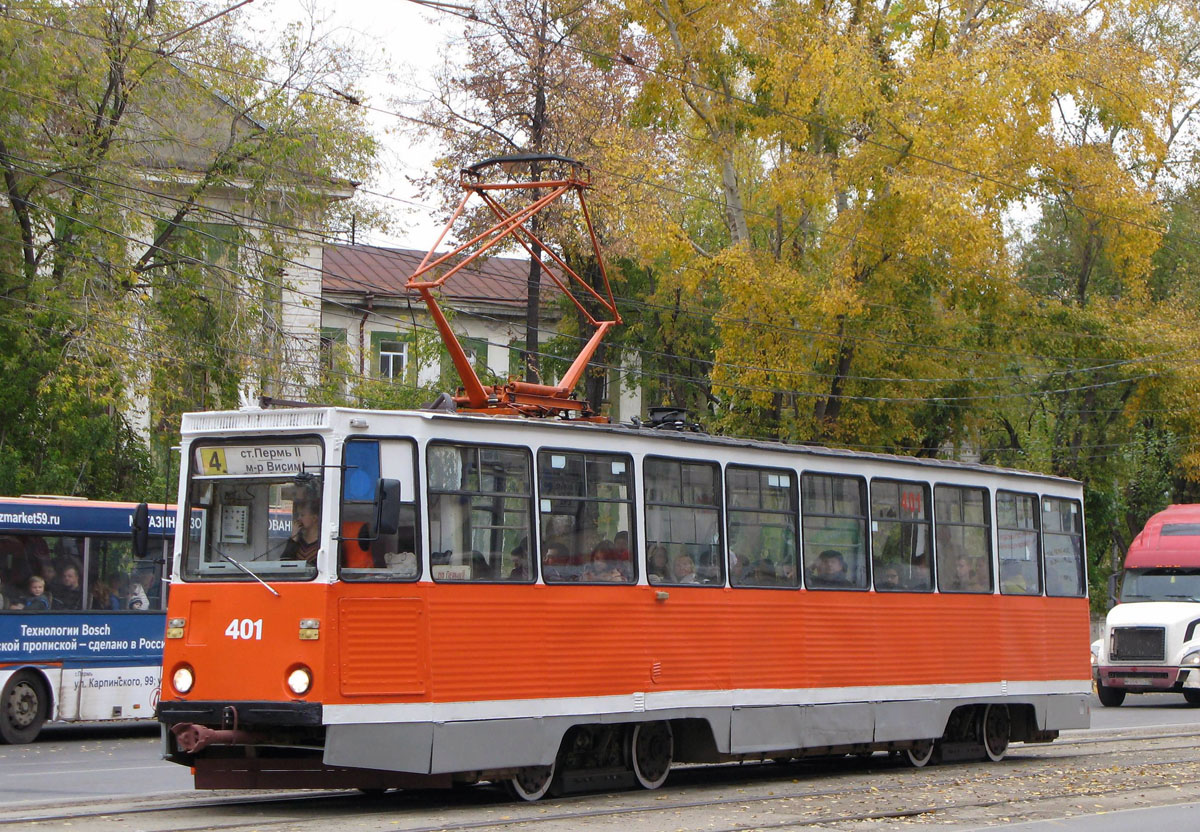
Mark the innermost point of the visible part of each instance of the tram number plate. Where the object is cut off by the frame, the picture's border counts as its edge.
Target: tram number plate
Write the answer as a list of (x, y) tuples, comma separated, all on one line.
[(245, 628)]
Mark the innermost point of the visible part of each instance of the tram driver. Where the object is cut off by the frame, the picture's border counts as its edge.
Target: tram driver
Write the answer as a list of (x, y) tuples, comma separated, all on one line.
[(306, 531)]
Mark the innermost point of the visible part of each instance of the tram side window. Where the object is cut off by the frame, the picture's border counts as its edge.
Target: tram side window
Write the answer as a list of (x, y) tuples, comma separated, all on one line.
[(964, 561), (1062, 526), (762, 527), (363, 553), (835, 531), (683, 526), (901, 536), (479, 513), (585, 505), (1017, 541)]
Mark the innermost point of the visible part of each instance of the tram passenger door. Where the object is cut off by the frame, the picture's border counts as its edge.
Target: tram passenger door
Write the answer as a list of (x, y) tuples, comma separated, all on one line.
[(394, 665)]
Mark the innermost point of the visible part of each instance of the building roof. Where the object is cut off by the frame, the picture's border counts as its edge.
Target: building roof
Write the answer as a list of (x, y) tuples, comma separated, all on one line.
[(383, 272)]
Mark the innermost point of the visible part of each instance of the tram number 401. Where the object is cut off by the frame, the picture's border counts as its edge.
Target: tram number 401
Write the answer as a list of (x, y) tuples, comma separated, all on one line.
[(247, 628)]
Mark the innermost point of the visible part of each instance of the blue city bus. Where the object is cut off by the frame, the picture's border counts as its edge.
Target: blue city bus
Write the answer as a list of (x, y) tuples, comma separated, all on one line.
[(83, 616)]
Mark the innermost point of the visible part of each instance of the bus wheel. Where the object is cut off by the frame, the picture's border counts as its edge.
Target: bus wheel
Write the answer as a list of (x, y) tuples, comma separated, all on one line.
[(530, 783), (23, 707), (1192, 696), (921, 754), (1110, 697), (995, 726), (651, 749)]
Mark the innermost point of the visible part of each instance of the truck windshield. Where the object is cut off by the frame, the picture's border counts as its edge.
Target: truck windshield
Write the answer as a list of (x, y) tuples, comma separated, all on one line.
[(1165, 584), (259, 505)]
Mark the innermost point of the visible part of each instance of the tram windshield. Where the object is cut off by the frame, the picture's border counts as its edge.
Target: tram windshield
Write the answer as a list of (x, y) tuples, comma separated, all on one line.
[(1164, 584), (260, 510)]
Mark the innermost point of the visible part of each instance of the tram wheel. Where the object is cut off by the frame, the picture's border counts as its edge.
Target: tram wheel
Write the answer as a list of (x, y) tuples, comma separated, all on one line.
[(1110, 697), (651, 750), (995, 727), (23, 708), (921, 754), (531, 783)]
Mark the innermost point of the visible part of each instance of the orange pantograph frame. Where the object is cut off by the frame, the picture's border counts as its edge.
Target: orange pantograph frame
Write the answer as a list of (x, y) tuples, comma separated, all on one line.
[(520, 397)]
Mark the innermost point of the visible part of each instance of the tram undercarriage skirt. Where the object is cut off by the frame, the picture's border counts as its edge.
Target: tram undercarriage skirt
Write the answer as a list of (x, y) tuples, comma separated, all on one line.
[(303, 773)]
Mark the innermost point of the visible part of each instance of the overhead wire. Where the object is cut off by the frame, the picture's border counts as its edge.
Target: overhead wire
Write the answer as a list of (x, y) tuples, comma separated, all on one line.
[(831, 232), (919, 346)]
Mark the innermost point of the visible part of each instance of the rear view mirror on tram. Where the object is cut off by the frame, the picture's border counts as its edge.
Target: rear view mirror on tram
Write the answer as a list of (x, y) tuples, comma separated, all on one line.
[(139, 528), (387, 507)]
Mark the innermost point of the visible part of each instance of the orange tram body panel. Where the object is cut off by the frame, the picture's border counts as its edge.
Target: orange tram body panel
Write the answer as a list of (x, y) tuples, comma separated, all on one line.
[(385, 599)]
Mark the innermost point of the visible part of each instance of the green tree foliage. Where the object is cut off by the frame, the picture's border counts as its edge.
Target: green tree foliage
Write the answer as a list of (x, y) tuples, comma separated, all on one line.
[(158, 178)]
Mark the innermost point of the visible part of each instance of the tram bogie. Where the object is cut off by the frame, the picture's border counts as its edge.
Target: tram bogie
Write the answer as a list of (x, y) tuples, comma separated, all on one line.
[(409, 600)]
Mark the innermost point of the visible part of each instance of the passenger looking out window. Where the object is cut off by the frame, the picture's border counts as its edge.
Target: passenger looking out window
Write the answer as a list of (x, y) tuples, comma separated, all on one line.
[(683, 570), (586, 504), (834, 512), (901, 536), (829, 570), (658, 564), (35, 597), (762, 526), (681, 514), (964, 556)]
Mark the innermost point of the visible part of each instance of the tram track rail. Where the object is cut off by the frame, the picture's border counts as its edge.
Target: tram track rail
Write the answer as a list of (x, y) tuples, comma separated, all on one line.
[(878, 787)]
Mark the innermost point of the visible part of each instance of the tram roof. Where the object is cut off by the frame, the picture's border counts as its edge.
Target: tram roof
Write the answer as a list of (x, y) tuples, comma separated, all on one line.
[(323, 418)]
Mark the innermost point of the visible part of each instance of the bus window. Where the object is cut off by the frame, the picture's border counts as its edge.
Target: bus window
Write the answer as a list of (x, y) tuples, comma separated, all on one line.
[(901, 536), (1017, 543), (1063, 542), (119, 581), (363, 554), (835, 531), (683, 527), (964, 559), (762, 527), (586, 511), (479, 513)]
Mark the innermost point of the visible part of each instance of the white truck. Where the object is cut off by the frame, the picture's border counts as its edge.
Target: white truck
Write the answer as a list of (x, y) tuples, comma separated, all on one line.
[(1151, 640)]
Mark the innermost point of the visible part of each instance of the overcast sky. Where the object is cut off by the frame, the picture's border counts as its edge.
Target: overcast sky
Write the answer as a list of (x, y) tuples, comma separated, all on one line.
[(409, 40)]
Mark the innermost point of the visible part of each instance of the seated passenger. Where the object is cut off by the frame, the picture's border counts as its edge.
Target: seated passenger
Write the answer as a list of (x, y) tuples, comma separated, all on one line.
[(599, 563), (481, 570), (67, 592), (963, 577), (888, 577), (621, 547), (683, 570), (829, 570), (556, 563), (658, 566), (760, 573), (36, 599), (104, 597), (139, 595)]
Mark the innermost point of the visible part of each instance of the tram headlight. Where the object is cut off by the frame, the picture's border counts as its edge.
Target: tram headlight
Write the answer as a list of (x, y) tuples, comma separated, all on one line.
[(299, 680), (183, 678)]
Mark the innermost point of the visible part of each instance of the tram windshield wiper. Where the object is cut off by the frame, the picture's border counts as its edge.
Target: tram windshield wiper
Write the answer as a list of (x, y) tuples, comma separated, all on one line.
[(247, 570)]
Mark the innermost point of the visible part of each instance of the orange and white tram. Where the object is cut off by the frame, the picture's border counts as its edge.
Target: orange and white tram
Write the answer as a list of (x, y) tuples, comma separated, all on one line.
[(391, 599)]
